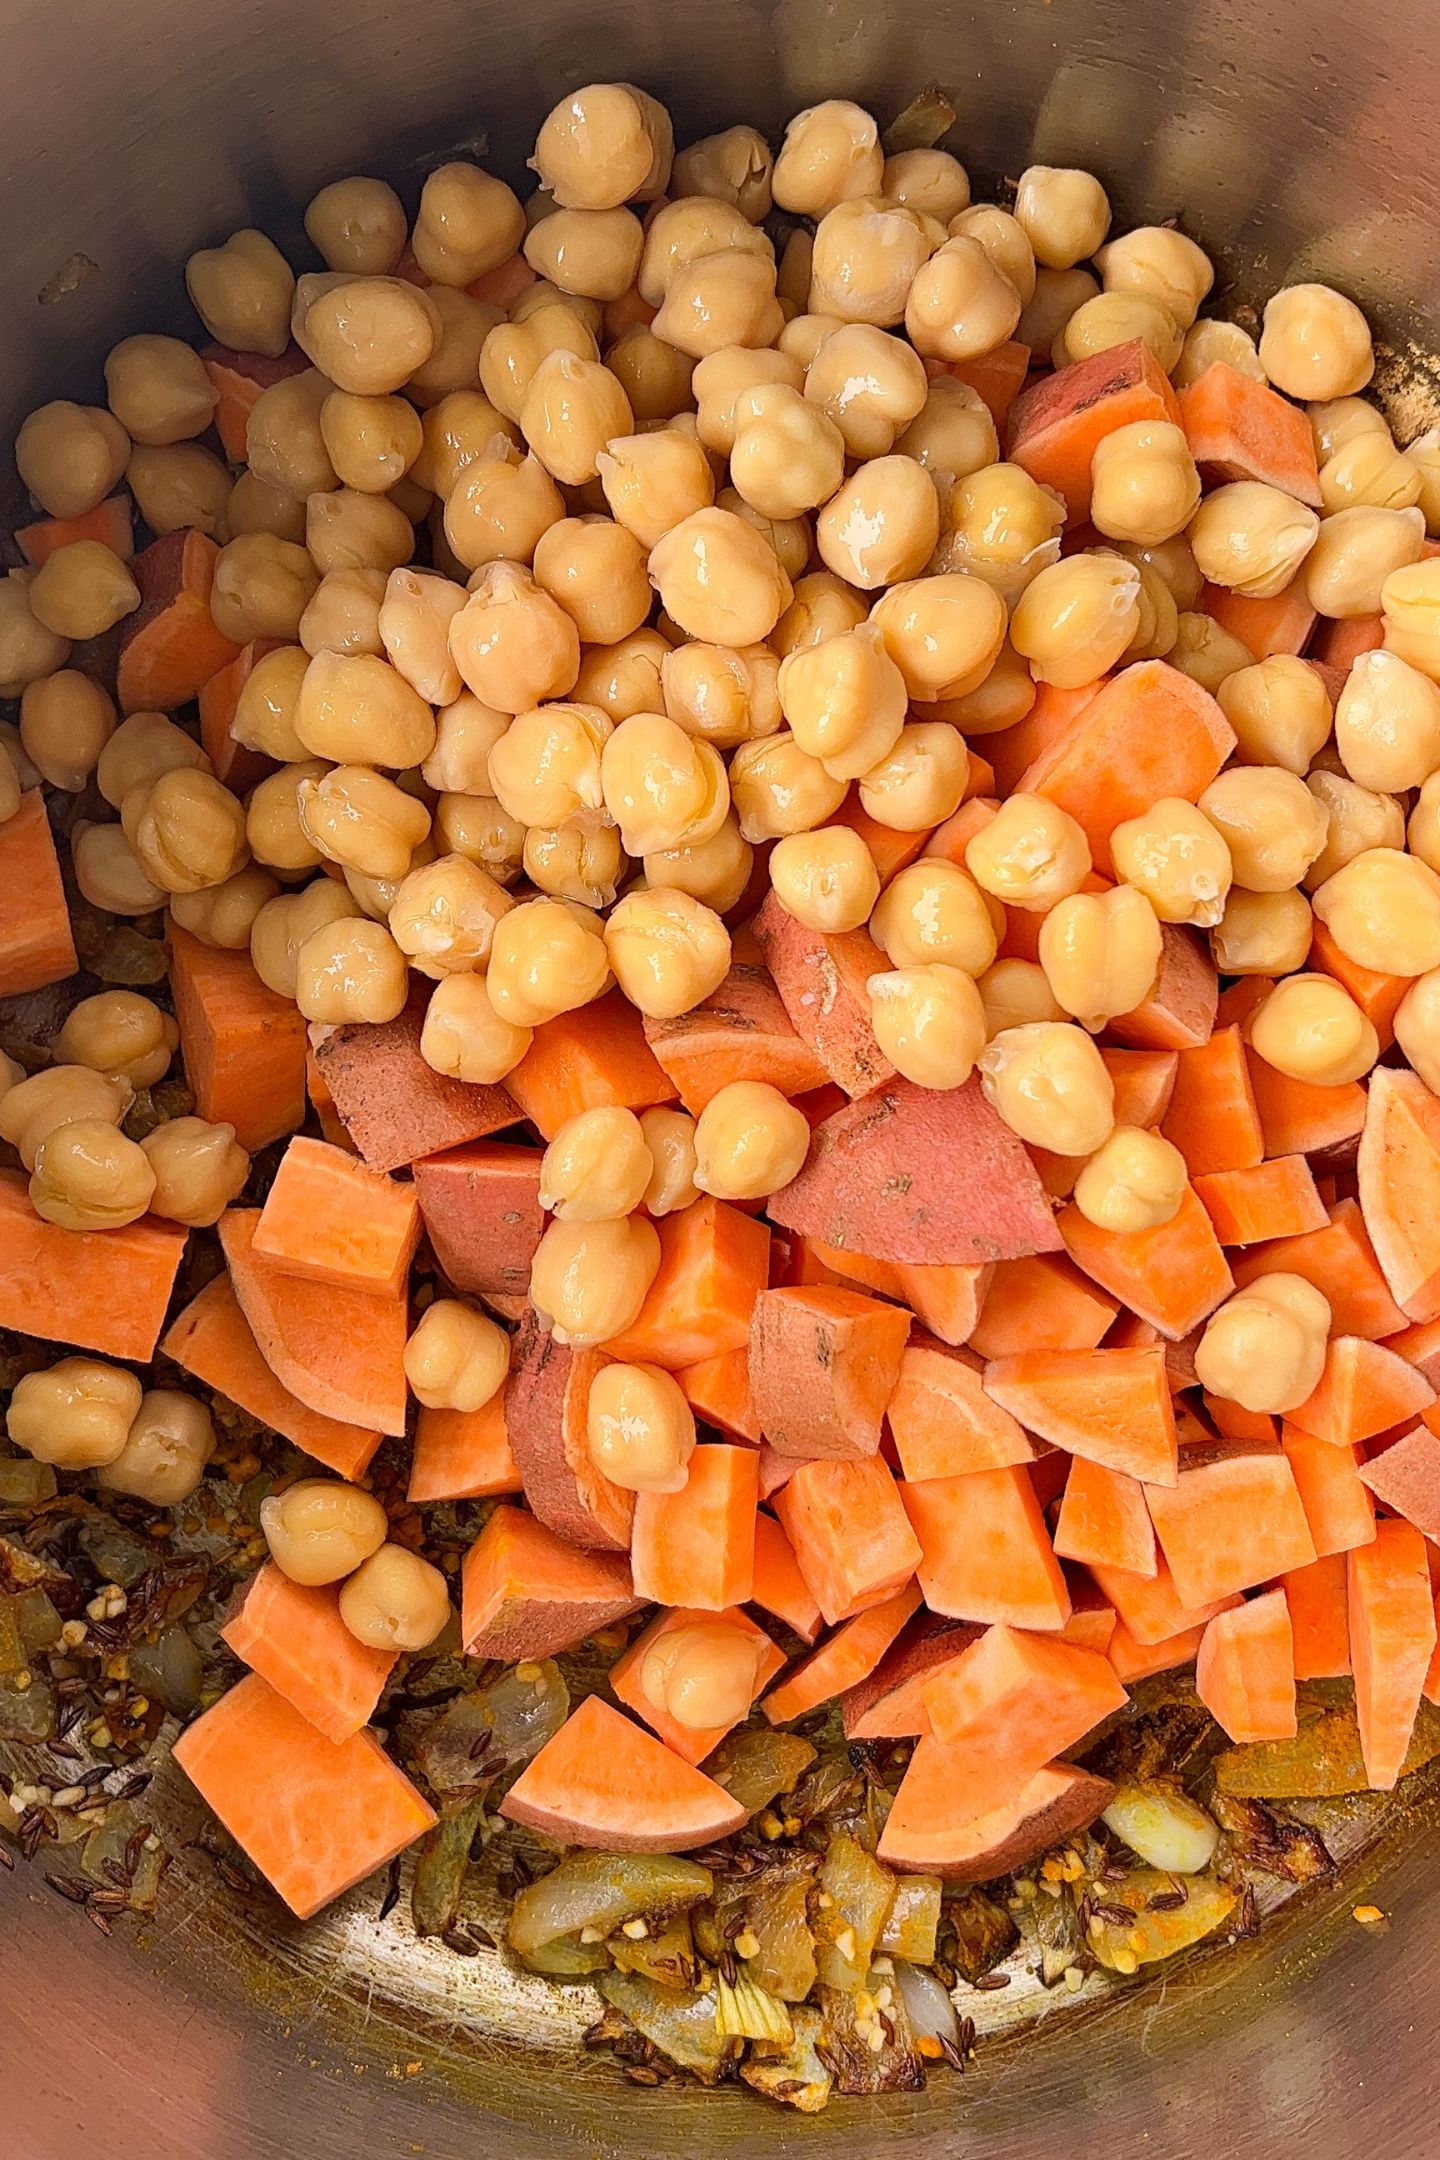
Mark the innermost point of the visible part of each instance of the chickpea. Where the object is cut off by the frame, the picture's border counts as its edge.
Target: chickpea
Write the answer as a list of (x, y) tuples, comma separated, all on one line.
[(121, 1034), (1005, 696), (1355, 553), (1146, 488), (242, 292), (654, 483), (414, 625), (1116, 318), (930, 181), (502, 505), (604, 145), (717, 578), (655, 378), (159, 389), (1417, 1027), (1004, 240), (1265, 1347), (1280, 712), (778, 788), (960, 305), (570, 863), (1058, 295), (1157, 260), (1383, 911), (70, 456), (1205, 652), (464, 325), (882, 525), (177, 485), (547, 957), (1001, 526), (1049, 1083), (596, 1168), (824, 606), (865, 258), (28, 649), (921, 782), (66, 720), (395, 1601), (1424, 455), (483, 831), (1263, 933), (165, 1452), (513, 644), (88, 1176), (1210, 343), (512, 354), (826, 879), (1387, 723), (369, 335), (1368, 472), (670, 1136), (346, 530), (734, 167), (546, 767), (792, 290), (831, 153), (284, 444), (1410, 608), (591, 254), (76, 1414), (1311, 1029), (932, 912), (30, 1110), (544, 293), (1335, 422), (1136, 1181), (199, 1170), (456, 1358), (717, 870), (790, 540), (1076, 618), (350, 970), (724, 379), (749, 1141), (361, 820), (1271, 823), (358, 226), (667, 949), (372, 441), (727, 695), (720, 300), (943, 633), (640, 1430), (455, 434), (572, 410), (263, 585), (1015, 994), (953, 434), (1065, 213), (662, 786), (589, 1280), (1252, 538), (929, 1021), (788, 455), (444, 915), (595, 569), (466, 731), (223, 916), (845, 701), (320, 1530), (186, 829), (82, 590), (1178, 859), (1315, 343), (256, 505), (703, 1675), (109, 873), (282, 926), (1101, 953), (1358, 819), (465, 1038)]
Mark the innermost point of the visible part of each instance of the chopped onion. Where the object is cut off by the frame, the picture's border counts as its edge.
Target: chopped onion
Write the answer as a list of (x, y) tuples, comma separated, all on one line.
[(927, 2003), (1163, 1827)]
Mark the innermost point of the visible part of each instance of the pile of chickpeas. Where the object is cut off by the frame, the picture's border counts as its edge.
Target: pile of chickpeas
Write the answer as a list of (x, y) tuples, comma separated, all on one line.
[(608, 540)]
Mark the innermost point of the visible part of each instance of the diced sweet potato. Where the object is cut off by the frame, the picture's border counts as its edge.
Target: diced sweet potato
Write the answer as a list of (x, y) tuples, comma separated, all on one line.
[(528, 1594), (294, 1637), (1319, 1620), (1180, 1011), (852, 1541), (1054, 428), (1281, 624), (718, 1390), (170, 647), (740, 1032), (1245, 1670), (1150, 1607), (1173, 1276), (1392, 1640), (606, 1782), (998, 375), (1240, 429), (594, 1057), (889, 1703), (942, 1420), (691, 1743), (697, 1546), (1212, 1117), (1337, 1506), (1230, 1524), (985, 1551), (103, 1290), (1040, 1303), (1112, 1406), (463, 1454), (481, 1204), (545, 1412), (331, 1219), (842, 1660), (714, 1264), (779, 1586), (109, 523), (890, 851), (1135, 1661), (1399, 1174), (997, 1704), (1365, 1389), (1406, 1477), (238, 767), (1274, 1199), (821, 981), (395, 1107), (243, 1045), (36, 944), (1144, 1083), (926, 1834), (1340, 1260), (1104, 1519), (823, 1365), (239, 378)]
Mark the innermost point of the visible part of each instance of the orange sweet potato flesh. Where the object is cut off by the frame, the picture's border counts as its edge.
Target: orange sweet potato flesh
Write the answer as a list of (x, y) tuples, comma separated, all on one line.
[(1398, 1168), (998, 375), (915, 1175), (1173, 1276), (341, 1351), (1420, 1344), (1378, 995), (1006, 1695), (889, 1704), (239, 377), (985, 1550), (697, 1546), (1054, 428), (1298, 1118), (593, 1058), (714, 1264), (852, 1540), (1239, 429), (778, 1585), (463, 1454), (604, 1781), (1340, 644), (1212, 1117), (823, 1365), (1150, 1607), (545, 1411), (1274, 1199), (1319, 1622), (1092, 1621), (718, 1391), (481, 1205), (1231, 1523), (526, 1593), (330, 1219), (947, 1300), (1364, 1390), (1338, 1508), (315, 1816), (1340, 1260), (926, 1833), (235, 765), (1112, 1406), (821, 982), (691, 1743), (211, 1340), (243, 1045), (1281, 624), (109, 523), (1180, 1012), (1405, 1477), (1135, 1661), (741, 1032), (294, 1637), (170, 647), (1392, 1639), (394, 1106), (104, 1290), (1048, 722), (1144, 1083), (1245, 1670), (1040, 1303), (890, 851), (942, 1421), (842, 1660), (1104, 1519), (37, 946)]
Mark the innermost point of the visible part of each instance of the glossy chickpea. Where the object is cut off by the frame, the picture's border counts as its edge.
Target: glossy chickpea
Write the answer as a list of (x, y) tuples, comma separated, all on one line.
[(790, 540), (792, 284), (28, 649), (1354, 554), (512, 355), (284, 445), (320, 1530), (881, 527), (1049, 1083), (725, 694), (734, 167), (159, 389), (605, 144), (1311, 1029), (166, 1450), (1136, 1181), (943, 633), (414, 625), (788, 455), (274, 830), (953, 434), (395, 1601), (595, 569), (1382, 909), (591, 254), (1117, 318), (655, 377), (1410, 612), (119, 1033), (464, 325), (1159, 623), (547, 957), (1280, 711), (109, 873), (930, 181), (716, 871), (655, 483), (88, 1176), (502, 505), (465, 1038), (282, 926), (1417, 1027), (1004, 240), (186, 829), (30, 1110), (1076, 618), (357, 225), (1315, 343), (921, 781), (1065, 213), (1387, 723), (721, 380), (1368, 472), (1058, 295), (513, 644), (570, 863), (823, 607), (455, 434), (369, 335), (66, 719), (932, 912), (256, 505), (1002, 700), (624, 678), (444, 915), (1179, 860), (929, 1021), (1015, 994), (223, 916), (720, 300), (596, 1168), (572, 410), (703, 1674), (668, 950), (347, 530), (1101, 954), (670, 1136), (180, 484), (75, 1414), (1263, 933), (1002, 527), (70, 456), (845, 701), (826, 879), (749, 1142), (1358, 818), (1335, 422), (1158, 260), (831, 153), (199, 1169), (1424, 455), (82, 590), (718, 580), (263, 585), (1271, 823), (1146, 488), (456, 1358), (1210, 343), (778, 788), (242, 292), (481, 829), (351, 970), (372, 441), (960, 305), (546, 768), (1265, 1347), (468, 223), (466, 731), (865, 258), (1252, 538), (589, 1280), (663, 787), (1205, 652), (639, 1428)]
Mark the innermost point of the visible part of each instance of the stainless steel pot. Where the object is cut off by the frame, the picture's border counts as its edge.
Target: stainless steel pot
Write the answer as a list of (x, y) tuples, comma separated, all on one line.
[(1294, 140)]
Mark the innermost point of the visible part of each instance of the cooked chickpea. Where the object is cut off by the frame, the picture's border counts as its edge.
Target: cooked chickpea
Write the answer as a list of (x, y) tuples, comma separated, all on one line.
[(109, 873), (654, 376), (547, 766), (720, 300), (1049, 1083), (1002, 527), (734, 167), (1334, 422), (663, 787), (921, 781), (1280, 711), (718, 580), (513, 644), (320, 1530), (943, 633), (466, 731), (606, 144), (199, 1170), (749, 1141), (1387, 723), (778, 788), (703, 1675), (1205, 652), (502, 505), (88, 1176), (1075, 619), (930, 181), (547, 957), (274, 829), (826, 879), (284, 445), (725, 694), (465, 1038), (463, 326), (953, 434), (282, 926), (788, 455), (159, 389), (1101, 953), (1265, 1347), (223, 915), (960, 305), (1410, 608), (1315, 343), (179, 484), (1208, 343), (82, 590), (1424, 455), (1417, 1027), (1058, 295), (792, 290), (1116, 318), (1262, 933), (444, 914), (717, 870), (66, 720), (657, 482), (639, 1429), (456, 1358), (865, 258), (1368, 472), (670, 1136), (455, 434), (263, 585), (1065, 213), (119, 1033), (350, 970), (724, 380), (186, 829), (481, 829), (932, 912), (597, 1167), (1178, 859), (591, 254), (845, 701), (1158, 260), (1252, 538), (1354, 554), (368, 335), (1136, 1181), (572, 410), (595, 569), (346, 530), (1005, 696), (929, 1021), (242, 292), (166, 1450), (509, 360), (1004, 240), (70, 456), (668, 950), (882, 525), (1015, 994), (1146, 488), (1310, 1028), (28, 649), (256, 505), (824, 606), (372, 441), (395, 1600), (1383, 911), (1357, 818), (589, 1280), (831, 153), (357, 225), (32, 1109), (1271, 823), (75, 1414), (414, 625)]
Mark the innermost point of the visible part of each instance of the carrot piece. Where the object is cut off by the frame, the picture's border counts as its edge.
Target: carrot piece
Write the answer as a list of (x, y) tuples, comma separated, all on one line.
[(36, 944), (1040, 1303), (1406, 1478), (1340, 1260), (341, 1351), (1135, 1661), (1316, 1597), (481, 1206), (103, 1290), (823, 1365), (1179, 1013), (1112, 1406), (779, 1585), (842, 1660), (170, 647), (714, 1264), (395, 1107), (1399, 1176), (691, 1743), (1104, 1519), (942, 1420), (503, 286), (929, 1832), (243, 1044), (1273, 1199), (1298, 1118), (590, 1059), (1230, 1524), (1365, 1389), (1240, 429), (1252, 1428), (1212, 1117), (1014, 1700), (1174, 1277), (821, 981), (108, 522), (211, 1340), (979, 1199), (1281, 624), (1245, 1670), (1337, 1506), (330, 1219), (1049, 722), (463, 1454), (545, 1411), (697, 1546), (718, 1390), (240, 377), (741, 1032), (985, 1551), (1054, 428), (997, 376), (1144, 1083), (889, 1704), (1148, 732), (852, 1540), (1379, 996), (1392, 1639), (602, 1780), (239, 767), (294, 1637), (316, 1816), (526, 1593)]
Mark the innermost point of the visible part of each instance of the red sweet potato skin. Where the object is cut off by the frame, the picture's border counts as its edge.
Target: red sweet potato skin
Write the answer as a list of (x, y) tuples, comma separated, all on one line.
[(878, 1707), (545, 1421), (482, 1213), (394, 1107)]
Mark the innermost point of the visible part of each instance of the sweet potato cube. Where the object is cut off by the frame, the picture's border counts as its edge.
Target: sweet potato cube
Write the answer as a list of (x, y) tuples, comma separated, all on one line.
[(104, 1290), (243, 1044), (293, 1636), (481, 1205), (1112, 1406), (714, 1265), (821, 981), (1229, 1524), (942, 1420), (1392, 1640), (851, 1538), (1240, 429), (526, 1593), (697, 1546), (394, 1106), (463, 1454), (36, 944), (170, 647), (1245, 1670), (1054, 428), (985, 1551), (545, 1418), (331, 1219), (740, 1032), (627, 1677), (606, 1782), (823, 1365)]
